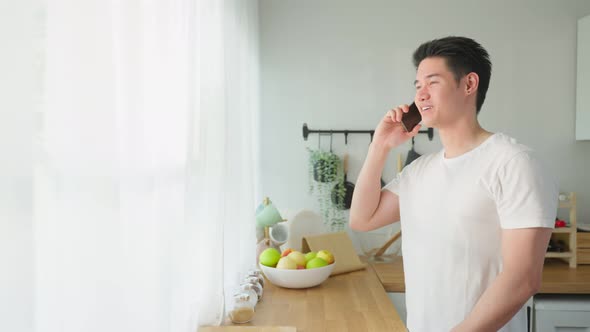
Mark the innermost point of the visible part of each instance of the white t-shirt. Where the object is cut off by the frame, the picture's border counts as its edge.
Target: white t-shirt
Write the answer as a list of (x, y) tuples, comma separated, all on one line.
[(452, 215)]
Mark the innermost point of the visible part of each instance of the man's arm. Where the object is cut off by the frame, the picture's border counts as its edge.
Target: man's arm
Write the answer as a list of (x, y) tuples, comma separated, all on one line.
[(372, 208), (523, 255)]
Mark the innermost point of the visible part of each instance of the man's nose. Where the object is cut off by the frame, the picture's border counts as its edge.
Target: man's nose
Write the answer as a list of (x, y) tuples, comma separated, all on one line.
[(422, 94)]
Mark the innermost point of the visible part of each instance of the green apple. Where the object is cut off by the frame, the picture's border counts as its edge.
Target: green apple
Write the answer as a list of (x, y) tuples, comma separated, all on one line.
[(269, 257), (298, 258), (315, 263), (309, 256), (326, 255), (286, 263)]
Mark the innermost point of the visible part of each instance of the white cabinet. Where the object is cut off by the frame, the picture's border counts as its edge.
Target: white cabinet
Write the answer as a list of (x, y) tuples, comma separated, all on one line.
[(530, 312), (545, 313), (399, 302), (562, 313)]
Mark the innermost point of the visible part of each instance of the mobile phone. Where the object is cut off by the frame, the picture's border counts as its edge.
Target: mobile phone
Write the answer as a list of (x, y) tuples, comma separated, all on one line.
[(412, 118)]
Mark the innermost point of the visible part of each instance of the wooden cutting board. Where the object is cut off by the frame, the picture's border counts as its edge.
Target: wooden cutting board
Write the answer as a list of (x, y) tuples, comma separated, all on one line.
[(340, 245)]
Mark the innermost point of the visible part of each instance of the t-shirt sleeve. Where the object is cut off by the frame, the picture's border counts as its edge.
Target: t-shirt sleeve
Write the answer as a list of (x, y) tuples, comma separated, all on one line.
[(526, 195), (395, 185)]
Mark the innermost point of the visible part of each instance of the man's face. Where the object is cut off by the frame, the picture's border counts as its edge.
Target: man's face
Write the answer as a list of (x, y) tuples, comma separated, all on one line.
[(438, 96)]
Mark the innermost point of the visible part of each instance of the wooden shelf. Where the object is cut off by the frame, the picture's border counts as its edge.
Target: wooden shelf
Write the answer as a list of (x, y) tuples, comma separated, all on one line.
[(563, 230), (565, 205), (569, 233), (551, 254)]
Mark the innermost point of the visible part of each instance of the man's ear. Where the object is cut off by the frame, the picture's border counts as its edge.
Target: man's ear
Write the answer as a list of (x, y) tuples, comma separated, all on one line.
[(471, 83)]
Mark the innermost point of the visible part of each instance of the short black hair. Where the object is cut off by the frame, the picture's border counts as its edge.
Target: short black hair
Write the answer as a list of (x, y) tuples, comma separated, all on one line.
[(463, 55)]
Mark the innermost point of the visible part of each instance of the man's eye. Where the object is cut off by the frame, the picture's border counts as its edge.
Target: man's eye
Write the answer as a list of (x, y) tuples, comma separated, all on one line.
[(431, 83), (417, 87)]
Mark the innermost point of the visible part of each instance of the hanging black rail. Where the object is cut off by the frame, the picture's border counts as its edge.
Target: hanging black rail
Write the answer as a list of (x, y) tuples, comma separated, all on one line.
[(307, 131)]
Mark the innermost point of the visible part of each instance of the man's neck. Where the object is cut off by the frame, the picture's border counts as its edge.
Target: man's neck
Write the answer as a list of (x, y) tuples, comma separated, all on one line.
[(462, 137)]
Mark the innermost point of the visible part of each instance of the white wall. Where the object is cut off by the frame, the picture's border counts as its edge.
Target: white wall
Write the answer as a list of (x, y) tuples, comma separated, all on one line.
[(19, 79), (342, 64)]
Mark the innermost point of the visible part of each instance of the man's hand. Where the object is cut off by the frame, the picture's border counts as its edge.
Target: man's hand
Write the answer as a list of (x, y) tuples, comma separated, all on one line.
[(390, 133)]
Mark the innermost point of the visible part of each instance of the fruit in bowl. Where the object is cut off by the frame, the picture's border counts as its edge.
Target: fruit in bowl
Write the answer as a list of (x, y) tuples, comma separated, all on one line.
[(298, 258), (315, 263), (298, 270), (269, 257), (326, 255), (286, 263)]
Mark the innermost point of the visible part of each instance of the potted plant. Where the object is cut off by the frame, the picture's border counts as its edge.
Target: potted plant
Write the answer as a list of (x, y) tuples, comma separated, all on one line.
[(325, 165), (325, 171)]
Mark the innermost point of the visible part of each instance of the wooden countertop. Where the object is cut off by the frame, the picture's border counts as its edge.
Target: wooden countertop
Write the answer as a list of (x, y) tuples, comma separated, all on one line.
[(247, 329), (391, 275), (558, 278), (354, 301), (357, 301)]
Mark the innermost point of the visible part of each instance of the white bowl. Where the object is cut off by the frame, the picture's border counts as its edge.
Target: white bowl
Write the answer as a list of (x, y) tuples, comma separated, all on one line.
[(303, 278)]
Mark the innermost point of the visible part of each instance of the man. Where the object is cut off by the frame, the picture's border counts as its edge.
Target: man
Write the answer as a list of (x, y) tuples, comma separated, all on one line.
[(476, 217)]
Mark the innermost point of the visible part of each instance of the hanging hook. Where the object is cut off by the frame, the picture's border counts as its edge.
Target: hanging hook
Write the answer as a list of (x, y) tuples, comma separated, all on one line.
[(319, 136), (372, 133), (346, 137), (331, 141)]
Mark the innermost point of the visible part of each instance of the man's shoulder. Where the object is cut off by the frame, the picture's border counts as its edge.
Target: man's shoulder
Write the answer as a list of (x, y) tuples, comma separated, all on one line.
[(504, 147)]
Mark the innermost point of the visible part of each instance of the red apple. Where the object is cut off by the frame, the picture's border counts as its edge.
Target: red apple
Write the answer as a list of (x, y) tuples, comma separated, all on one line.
[(286, 252)]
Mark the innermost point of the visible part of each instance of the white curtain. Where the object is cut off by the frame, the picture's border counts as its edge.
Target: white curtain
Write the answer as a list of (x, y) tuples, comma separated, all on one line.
[(145, 173)]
